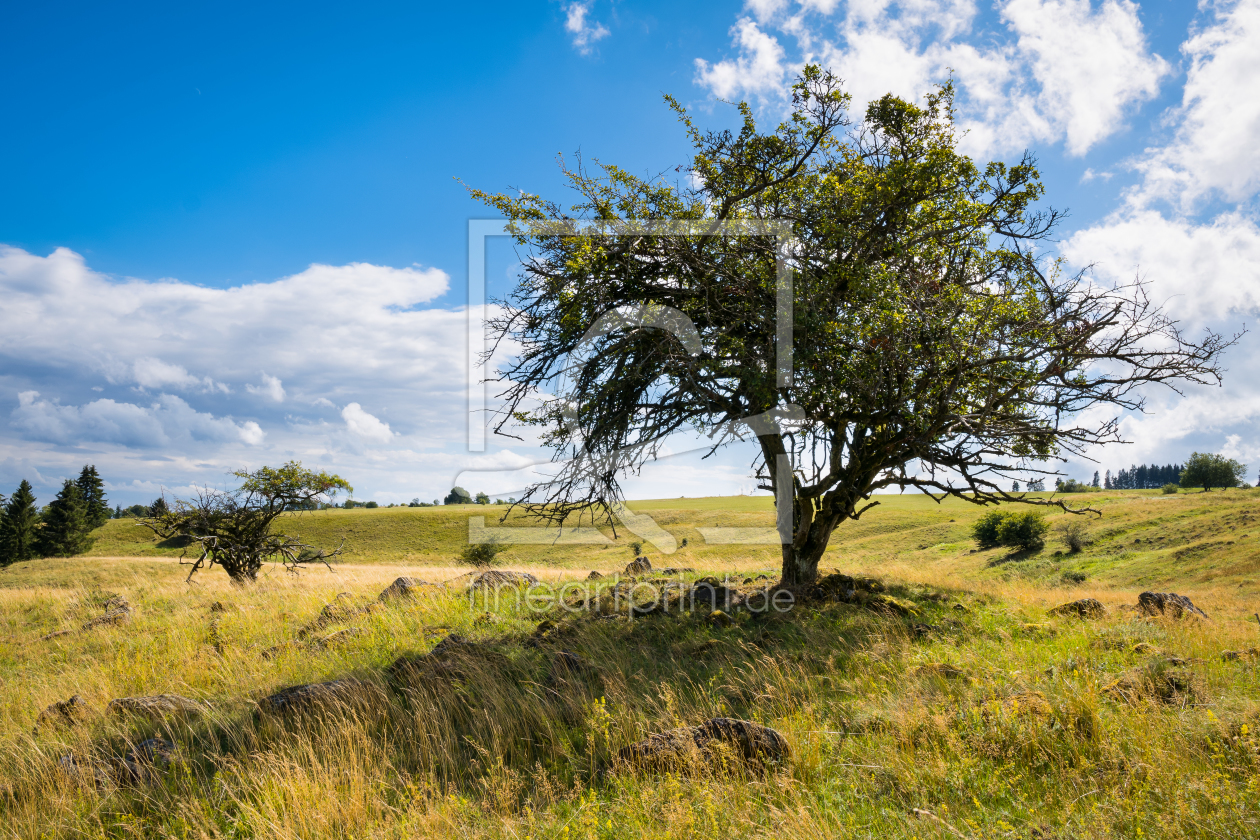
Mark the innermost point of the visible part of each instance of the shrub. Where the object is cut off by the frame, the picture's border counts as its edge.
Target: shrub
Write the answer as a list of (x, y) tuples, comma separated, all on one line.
[(1074, 533), (1169, 489), (372, 505), (986, 528), (482, 554), (1026, 529)]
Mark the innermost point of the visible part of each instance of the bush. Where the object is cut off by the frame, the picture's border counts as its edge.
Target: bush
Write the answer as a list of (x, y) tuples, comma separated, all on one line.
[(1074, 533), (1169, 489), (1026, 529), (986, 528), (371, 505), (1074, 486), (483, 554)]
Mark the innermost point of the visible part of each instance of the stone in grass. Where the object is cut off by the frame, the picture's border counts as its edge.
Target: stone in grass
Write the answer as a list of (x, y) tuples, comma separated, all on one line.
[(708, 746), (403, 587), (1163, 681), (1168, 604), (1240, 655), (640, 565), (144, 763), (496, 578), (85, 771), (1083, 608), (63, 714), (335, 695), (720, 619), (451, 658), (155, 707), (594, 576), (117, 611)]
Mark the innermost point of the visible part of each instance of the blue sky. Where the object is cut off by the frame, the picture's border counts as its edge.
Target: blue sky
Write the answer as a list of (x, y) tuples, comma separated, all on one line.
[(232, 234)]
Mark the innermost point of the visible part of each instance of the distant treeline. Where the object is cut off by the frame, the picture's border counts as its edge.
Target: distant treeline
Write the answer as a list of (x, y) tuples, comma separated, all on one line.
[(1144, 477)]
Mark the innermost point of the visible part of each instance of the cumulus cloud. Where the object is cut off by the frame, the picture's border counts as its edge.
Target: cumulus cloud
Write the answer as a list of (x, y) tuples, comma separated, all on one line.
[(171, 383), (1062, 70), (271, 387), (364, 425), (167, 421), (585, 31), (1214, 152)]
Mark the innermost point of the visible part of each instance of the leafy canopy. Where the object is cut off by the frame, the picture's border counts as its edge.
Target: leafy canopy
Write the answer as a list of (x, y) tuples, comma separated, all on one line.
[(931, 344)]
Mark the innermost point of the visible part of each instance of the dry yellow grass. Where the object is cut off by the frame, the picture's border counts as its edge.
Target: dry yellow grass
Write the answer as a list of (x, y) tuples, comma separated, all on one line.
[(995, 718)]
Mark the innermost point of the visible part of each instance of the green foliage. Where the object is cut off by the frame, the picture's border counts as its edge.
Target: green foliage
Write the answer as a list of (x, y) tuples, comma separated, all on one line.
[(1074, 486), (1023, 529), (1074, 533), (458, 496), (372, 505), (1169, 489), (66, 529), (483, 499), (93, 490), (482, 554), (19, 526), (1208, 470)]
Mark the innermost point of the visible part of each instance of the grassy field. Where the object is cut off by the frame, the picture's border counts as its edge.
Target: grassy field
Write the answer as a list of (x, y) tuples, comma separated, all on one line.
[(967, 710)]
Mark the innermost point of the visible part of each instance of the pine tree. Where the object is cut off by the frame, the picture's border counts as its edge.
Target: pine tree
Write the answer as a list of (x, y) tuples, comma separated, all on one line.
[(19, 530), (66, 530), (1096, 484), (93, 490)]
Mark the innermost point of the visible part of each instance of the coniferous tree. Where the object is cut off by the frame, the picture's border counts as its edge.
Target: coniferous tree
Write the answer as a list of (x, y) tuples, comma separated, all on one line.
[(93, 490), (1107, 481), (1096, 484), (20, 527), (66, 531)]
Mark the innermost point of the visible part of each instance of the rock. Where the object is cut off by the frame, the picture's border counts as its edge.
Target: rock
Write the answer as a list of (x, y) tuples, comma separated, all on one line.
[(705, 744), (63, 714), (451, 658), (1164, 681), (1084, 608), (1168, 604), (940, 669), (336, 610), (891, 606), (1037, 629), (83, 770), (315, 697), (720, 619), (403, 587), (838, 587), (676, 571), (56, 634), (1144, 648), (335, 638), (711, 593), (961, 608), (1240, 655), (117, 611), (155, 707), (144, 763), (217, 607), (640, 565), (594, 576), (496, 578)]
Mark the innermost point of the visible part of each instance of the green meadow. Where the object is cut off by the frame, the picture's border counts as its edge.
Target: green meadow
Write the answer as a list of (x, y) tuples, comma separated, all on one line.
[(952, 703)]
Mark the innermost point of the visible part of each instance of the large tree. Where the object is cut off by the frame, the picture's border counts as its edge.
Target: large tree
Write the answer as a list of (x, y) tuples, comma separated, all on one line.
[(1208, 470), (93, 490), (235, 529), (19, 526), (933, 346), (66, 530)]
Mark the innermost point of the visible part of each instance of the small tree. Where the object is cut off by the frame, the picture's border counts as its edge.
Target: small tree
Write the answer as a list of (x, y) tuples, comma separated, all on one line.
[(66, 529), (233, 528), (1003, 527), (19, 526), (483, 499), (1207, 471), (93, 490), (1074, 533), (459, 496), (1169, 489)]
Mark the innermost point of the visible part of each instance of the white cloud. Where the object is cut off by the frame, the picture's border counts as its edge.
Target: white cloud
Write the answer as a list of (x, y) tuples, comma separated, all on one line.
[(1204, 273), (1215, 151), (364, 425), (165, 422), (758, 70), (585, 32), (1064, 70), (272, 387)]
